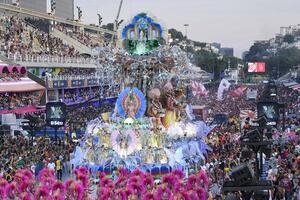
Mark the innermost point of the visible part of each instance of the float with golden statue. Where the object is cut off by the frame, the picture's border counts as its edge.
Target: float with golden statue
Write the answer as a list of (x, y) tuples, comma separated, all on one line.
[(149, 127)]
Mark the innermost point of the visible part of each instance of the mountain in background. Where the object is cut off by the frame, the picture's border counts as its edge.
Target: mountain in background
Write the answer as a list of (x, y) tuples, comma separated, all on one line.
[(209, 56), (281, 53)]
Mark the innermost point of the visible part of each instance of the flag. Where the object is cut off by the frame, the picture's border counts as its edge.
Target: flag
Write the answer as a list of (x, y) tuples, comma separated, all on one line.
[(198, 89), (248, 113), (239, 91), (224, 85)]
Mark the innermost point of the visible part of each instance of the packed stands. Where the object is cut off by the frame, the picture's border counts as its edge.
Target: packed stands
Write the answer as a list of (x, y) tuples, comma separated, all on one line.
[(82, 36), (18, 37), (11, 73), (10, 101)]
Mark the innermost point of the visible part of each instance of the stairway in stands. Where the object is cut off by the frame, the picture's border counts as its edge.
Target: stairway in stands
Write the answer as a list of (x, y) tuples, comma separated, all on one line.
[(82, 49), (36, 79)]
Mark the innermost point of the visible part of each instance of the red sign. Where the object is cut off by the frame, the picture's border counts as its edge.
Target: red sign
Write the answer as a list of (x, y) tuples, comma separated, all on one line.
[(259, 67)]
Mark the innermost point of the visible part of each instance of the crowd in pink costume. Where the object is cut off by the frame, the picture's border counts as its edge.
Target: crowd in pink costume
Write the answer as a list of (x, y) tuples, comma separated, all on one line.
[(135, 185)]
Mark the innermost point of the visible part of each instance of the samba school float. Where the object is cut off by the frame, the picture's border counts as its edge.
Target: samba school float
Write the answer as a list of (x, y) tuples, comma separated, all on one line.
[(150, 127)]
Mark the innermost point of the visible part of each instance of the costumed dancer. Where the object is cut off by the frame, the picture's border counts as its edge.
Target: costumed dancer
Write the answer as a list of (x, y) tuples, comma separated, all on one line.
[(123, 146), (155, 109), (169, 102), (131, 107)]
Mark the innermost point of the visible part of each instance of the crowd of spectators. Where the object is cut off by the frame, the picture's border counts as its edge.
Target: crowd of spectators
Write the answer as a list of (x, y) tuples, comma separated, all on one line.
[(10, 101), (14, 76), (75, 96), (19, 152), (77, 72), (77, 119), (17, 37), (80, 95), (82, 36), (230, 106), (71, 74), (284, 162)]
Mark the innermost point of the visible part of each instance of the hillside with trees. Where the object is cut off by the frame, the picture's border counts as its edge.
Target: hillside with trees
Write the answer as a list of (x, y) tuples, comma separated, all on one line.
[(281, 53)]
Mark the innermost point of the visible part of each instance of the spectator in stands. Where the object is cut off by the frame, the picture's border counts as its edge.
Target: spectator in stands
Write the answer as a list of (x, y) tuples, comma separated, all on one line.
[(14, 76)]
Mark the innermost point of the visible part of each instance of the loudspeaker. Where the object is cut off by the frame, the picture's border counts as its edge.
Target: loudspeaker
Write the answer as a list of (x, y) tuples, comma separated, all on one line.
[(261, 195), (253, 135), (242, 175), (231, 197), (246, 153)]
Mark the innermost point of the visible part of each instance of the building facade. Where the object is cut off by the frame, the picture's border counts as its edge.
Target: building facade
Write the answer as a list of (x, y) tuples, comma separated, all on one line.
[(226, 51), (64, 8)]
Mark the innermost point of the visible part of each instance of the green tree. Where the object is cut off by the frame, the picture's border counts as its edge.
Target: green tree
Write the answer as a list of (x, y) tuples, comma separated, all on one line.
[(257, 51), (288, 38), (109, 26), (176, 34)]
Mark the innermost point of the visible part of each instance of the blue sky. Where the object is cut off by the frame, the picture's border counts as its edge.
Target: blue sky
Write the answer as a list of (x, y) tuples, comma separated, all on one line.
[(233, 23)]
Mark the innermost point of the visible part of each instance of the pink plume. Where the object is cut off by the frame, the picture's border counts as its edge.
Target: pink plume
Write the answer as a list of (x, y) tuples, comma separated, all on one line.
[(104, 194), (3, 193), (123, 172), (178, 173), (201, 193), (186, 195), (177, 187), (58, 186), (105, 182), (26, 196), (203, 177), (83, 179), (135, 186), (3, 182), (26, 172), (149, 196), (102, 175), (137, 172), (120, 194), (120, 180), (79, 189), (148, 182), (81, 170), (163, 193), (59, 196), (128, 191), (191, 182), (42, 193), (10, 189), (68, 183), (23, 185), (134, 179), (46, 176)]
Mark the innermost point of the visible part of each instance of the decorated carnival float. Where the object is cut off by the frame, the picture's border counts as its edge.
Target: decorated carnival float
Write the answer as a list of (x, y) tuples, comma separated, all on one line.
[(152, 127)]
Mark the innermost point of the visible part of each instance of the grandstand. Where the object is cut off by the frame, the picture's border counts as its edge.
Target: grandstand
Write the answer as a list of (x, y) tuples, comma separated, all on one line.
[(48, 58)]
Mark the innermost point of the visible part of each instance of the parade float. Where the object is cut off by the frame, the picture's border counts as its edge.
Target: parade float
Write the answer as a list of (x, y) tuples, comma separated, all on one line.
[(151, 127)]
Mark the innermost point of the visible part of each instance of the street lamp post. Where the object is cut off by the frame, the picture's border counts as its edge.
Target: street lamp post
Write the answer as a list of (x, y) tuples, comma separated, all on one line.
[(79, 13), (99, 20), (99, 23), (186, 37)]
